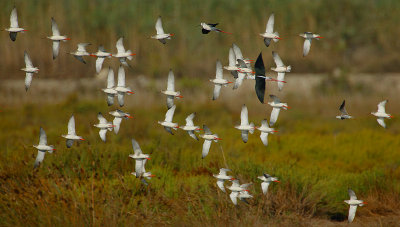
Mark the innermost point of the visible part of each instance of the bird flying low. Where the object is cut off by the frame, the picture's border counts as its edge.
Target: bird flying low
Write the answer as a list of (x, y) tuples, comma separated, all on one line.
[(222, 177), (208, 137), (244, 126), (103, 125), (139, 159), (265, 130), (121, 54), (207, 28), (190, 127), (267, 179), (277, 105), (281, 69), (118, 116), (81, 52), (308, 36), (381, 113), (354, 203), (344, 115), (101, 55), (167, 123), (14, 28), (56, 38), (161, 35), (269, 33), (219, 81), (71, 135), (42, 147), (30, 70), (121, 88), (170, 92)]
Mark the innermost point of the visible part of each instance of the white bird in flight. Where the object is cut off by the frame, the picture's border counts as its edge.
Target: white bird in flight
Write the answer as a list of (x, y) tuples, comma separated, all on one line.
[(208, 137), (277, 105), (110, 90), (161, 35), (236, 189), (170, 92), (42, 147), (308, 36), (139, 158), (121, 54), (101, 55), (239, 55), (232, 67), (269, 33), (222, 177), (14, 27), (121, 88), (118, 116), (81, 52), (244, 71), (145, 175), (381, 113), (29, 69), (103, 125), (354, 203), (190, 127), (344, 115), (265, 130), (244, 126), (219, 81), (207, 28), (56, 38), (167, 123), (281, 69), (267, 179), (71, 135)]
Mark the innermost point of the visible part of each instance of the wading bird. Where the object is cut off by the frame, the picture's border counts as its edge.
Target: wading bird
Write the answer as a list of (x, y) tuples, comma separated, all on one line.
[(308, 36), (354, 203), (161, 35), (29, 69), (244, 126), (42, 147), (208, 137), (381, 113), (269, 33), (71, 135), (14, 28), (267, 179), (170, 92), (56, 38)]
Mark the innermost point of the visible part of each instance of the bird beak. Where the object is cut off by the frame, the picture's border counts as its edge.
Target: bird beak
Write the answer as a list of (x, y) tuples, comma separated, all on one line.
[(320, 37), (277, 37), (233, 179), (199, 129), (152, 175), (246, 190), (229, 82), (128, 116), (82, 139), (287, 107), (132, 54), (277, 181), (131, 92), (148, 158), (176, 126), (180, 96), (364, 203), (53, 149), (92, 55), (391, 116), (171, 34), (25, 30), (218, 138), (275, 131), (113, 126), (67, 39)]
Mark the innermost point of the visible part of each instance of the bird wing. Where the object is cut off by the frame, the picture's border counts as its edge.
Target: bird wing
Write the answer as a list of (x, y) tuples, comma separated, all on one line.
[(42, 137), (245, 135), (233, 197), (189, 119), (223, 171), (117, 123), (28, 61), (352, 212), (101, 119), (110, 99), (342, 108), (168, 129), (277, 59), (159, 27), (264, 138), (170, 101), (204, 31), (28, 80), (99, 63), (237, 51), (82, 46), (275, 99), (264, 123), (56, 48), (264, 187), (260, 82), (381, 106), (71, 126), (270, 24), (232, 57), (274, 116), (242, 64), (352, 194), (206, 148), (191, 134), (101, 48), (163, 41), (306, 46), (136, 147), (120, 45), (121, 76), (80, 58), (102, 134), (381, 121), (170, 114), (121, 99), (207, 131), (69, 143), (14, 18), (39, 158), (171, 81), (139, 168), (54, 28), (13, 36), (219, 74), (110, 78), (220, 184), (281, 77), (234, 74), (267, 41), (239, 80), (244, 115), (217, 89)]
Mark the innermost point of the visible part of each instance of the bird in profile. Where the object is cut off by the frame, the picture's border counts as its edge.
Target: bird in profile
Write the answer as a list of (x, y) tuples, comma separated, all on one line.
[(144, 175), (170, 92), (121, 88), (244, 70), (81, 52), (121, 54), (29, 69), (110, 90), (208, 137), (265, 130), (219, 81), (42, 147), (381, 113), (161, 35), (14, 27), (232, 67), (308, 36), (269, 33), (190, 127), (139, 158), (207, 28), (71, 135), (277, 105), (56, 38), (167, 123), (103, 125), (354, 203), (244, 126), (238, 55), (118, 116), (281, 69), (101, 55), (222, 177), (343, 113), (267, 179), (236, 189)]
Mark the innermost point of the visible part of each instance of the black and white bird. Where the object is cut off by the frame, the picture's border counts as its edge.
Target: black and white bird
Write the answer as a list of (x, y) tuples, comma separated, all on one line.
[(308, 36), (101, 55), (14, 27), (207, 28), (161, 35), (354, 203), (265, 130), (170, 92), (103, 125), (42, 147), (122, 54), (343, 113), (244, 126), (281, 69), (71, 135), (81, 52), (208, 137), (269, 33), (222, 177), (277, 105), (167, 123), (267, 179), (29, 69), (190, 127), (219, 81), (118, 116), (381, 113), (139, 158), (56, 38)]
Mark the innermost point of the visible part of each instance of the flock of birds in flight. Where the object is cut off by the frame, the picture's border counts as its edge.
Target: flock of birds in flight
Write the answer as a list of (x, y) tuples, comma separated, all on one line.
[(238, 66)]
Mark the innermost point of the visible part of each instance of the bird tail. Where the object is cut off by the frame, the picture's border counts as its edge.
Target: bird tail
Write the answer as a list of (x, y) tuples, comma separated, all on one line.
[(251, 128)]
